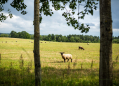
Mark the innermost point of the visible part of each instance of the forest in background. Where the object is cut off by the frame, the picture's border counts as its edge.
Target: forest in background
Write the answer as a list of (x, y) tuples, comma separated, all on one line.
[(58, 38)]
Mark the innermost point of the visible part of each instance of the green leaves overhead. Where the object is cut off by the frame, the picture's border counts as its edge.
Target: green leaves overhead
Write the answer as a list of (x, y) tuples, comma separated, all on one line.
[(2, 17), (18, 4), (72, 5), (3, 1), (89, 6)]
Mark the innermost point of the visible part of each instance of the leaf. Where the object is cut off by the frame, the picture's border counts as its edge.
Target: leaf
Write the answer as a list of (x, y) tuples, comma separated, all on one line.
[(73, 13), (82, 17), (91, 12)]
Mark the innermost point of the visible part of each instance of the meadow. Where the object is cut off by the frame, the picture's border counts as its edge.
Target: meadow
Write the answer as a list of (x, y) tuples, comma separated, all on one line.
[(17, 63)]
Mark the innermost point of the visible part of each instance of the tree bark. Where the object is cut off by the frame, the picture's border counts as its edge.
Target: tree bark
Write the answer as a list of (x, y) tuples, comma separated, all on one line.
[(105, 70), (36, 44)]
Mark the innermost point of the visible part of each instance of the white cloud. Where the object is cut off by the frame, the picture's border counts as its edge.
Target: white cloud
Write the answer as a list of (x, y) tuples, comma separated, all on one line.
[(116, 30), (55, 24), (17, 24)]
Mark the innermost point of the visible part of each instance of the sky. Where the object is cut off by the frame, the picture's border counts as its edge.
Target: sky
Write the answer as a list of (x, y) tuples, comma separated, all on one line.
[(56, 24)]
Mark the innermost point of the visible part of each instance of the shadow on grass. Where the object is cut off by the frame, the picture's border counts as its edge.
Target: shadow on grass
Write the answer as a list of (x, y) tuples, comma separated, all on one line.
[(52, 76), (74, 77), (57, 62), (66, 61), (14, 77)]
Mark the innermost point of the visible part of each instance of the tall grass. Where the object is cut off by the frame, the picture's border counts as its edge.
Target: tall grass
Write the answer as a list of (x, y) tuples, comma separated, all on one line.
[(17, 63)]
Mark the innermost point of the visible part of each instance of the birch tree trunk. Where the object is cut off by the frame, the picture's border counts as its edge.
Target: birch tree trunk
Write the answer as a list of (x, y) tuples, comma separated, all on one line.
[(105, 71), (36, 44)]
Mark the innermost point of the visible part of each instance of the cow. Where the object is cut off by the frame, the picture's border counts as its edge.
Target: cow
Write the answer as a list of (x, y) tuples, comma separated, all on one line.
[(81, 48)]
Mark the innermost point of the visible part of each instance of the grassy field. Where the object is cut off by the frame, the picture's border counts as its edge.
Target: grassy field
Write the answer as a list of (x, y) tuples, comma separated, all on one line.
[(17, 63)]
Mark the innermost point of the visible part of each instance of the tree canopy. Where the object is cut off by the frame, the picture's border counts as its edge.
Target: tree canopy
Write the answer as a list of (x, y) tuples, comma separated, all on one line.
[(17, 4), (45, 8), (89, 6), (22, 34)]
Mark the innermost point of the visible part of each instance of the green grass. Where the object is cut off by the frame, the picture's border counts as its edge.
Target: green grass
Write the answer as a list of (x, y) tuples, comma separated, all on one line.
[(17, 70)]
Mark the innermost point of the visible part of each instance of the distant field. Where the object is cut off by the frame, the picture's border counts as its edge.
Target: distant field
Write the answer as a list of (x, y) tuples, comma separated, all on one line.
[(84, 68)]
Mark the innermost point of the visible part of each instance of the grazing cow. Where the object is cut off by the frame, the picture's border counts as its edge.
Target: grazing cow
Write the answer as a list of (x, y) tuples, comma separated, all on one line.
[(81, 48), (87, 43)]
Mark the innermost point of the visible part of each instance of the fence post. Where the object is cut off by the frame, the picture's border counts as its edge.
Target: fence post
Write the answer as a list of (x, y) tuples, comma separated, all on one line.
[(92, 64), (0, 57), (81, 66), (116, 58)]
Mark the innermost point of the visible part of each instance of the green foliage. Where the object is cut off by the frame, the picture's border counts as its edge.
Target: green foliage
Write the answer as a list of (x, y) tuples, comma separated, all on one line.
[(18, 4), (32, 36), (71, 38), (4, 35), (2, 16), (59, 38), (89, 7), (22, 34), (115, 40)]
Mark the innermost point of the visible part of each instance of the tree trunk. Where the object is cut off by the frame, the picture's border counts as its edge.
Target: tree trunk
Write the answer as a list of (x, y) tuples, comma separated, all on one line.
[(105, 71), (36, 44)]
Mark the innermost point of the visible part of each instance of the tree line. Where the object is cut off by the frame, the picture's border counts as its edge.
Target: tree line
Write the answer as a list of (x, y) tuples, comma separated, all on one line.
[(71, 38), (14, 34), (58, 38)]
